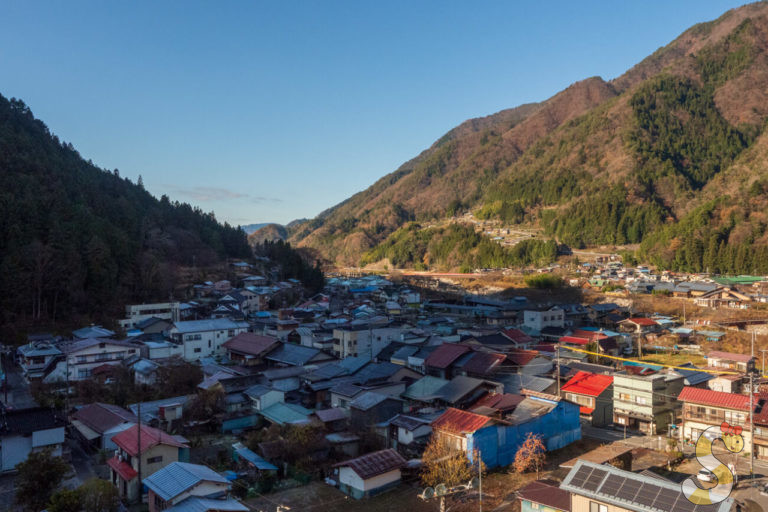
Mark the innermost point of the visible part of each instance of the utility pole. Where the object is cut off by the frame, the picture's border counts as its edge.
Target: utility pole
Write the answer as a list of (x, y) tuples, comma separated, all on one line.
[(138, 443), (480, 475), (752, 425), (557, 375), (763, 350)]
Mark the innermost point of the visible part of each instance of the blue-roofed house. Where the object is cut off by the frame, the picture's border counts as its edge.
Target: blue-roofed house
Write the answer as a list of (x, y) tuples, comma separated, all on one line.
[(693, 378), (172, 488), (286, 414), (93, 331), (250, 461)]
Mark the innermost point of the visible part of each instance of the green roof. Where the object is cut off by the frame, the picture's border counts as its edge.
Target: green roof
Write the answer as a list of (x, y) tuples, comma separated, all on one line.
[(738, 279), (424, 388)]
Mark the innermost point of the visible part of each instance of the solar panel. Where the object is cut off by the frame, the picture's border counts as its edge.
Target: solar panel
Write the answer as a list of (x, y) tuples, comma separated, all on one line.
[(647, 494), (593, 480), (580, 476), (629, 490), (612, 484), (666, 499), (683, 505)]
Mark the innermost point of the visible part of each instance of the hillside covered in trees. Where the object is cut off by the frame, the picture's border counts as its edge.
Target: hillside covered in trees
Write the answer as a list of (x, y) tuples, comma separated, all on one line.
[(671, 155), (77, 241)]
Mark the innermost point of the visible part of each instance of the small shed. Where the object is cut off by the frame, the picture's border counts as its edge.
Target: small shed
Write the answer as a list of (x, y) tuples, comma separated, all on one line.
[(370, 474)]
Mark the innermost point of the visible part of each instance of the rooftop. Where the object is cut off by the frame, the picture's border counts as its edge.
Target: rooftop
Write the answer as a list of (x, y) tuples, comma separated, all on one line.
[(456, 421), (714, 398), (374, 464), (178, 477)]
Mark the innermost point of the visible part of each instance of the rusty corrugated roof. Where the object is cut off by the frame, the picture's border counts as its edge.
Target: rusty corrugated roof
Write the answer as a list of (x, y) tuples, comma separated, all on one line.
[(457, 421)]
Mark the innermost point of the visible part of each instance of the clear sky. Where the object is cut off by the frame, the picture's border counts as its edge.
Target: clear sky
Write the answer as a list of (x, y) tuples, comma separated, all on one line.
[(271, 111)]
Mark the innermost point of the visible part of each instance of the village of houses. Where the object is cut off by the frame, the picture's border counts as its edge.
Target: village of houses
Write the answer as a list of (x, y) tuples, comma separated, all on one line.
[(374, 369)]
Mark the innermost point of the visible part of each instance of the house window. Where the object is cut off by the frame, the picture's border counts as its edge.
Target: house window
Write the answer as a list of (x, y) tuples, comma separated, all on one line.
[(82, 359), (534, 506), (198, 349), (209, 343), (625, 396), (597, 507), (231, 333), (154, 460), (84, 373), (641, 400)]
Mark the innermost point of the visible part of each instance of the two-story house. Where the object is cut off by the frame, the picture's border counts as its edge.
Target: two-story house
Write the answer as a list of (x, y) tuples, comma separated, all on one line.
[(536, 321), (362, 340), (143, 453), (83, 356), (37, 358), (137, 313), (604, 488), (704, 408), (203, 338), (646, 402), (593, 393)]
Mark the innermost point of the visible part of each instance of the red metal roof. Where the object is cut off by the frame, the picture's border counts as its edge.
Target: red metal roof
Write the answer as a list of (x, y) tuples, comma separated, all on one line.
[(517, 335), (585, 383), (122, 468), (592, 335), (548, 493), (714, 398), (522, 357), (483, 362), (574, 340), (457, 421), (128, 439), (499, 401), (586, 410), (374, 464), (251, 344), (445, 355), (730, 356)]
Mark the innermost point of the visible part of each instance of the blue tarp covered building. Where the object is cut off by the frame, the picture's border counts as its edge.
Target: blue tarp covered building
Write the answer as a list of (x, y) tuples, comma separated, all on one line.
[(557, 422)]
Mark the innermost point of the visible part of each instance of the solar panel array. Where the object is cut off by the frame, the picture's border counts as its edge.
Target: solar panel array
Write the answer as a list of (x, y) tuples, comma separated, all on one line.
[(631, 490)]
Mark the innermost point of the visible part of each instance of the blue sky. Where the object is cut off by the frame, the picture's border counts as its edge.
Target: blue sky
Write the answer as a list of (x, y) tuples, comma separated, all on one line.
[(271, 111)]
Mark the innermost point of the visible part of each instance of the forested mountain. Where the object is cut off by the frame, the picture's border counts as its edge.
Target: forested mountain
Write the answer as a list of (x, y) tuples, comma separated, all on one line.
[(267, 233), (671, 155), (79, 240)]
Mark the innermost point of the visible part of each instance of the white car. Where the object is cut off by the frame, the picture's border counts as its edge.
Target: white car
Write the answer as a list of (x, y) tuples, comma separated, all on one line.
[(706, 475)]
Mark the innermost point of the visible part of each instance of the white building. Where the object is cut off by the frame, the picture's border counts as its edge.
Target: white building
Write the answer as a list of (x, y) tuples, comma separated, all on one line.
[(136, 313), (203, 338), (370, 474), (538, 320), (362, 340), (82, 356)]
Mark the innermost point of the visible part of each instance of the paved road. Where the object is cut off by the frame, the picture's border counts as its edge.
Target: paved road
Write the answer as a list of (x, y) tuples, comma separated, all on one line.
[(19, 396)]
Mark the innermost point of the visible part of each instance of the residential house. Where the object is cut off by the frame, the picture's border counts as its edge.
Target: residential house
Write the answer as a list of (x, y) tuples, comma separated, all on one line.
[(439, 363), (723, 297), (593, 393), (263, 397), (333, 419), (370, 474), (497, 441), (362, 339), (462, 391), (604, 488), (288, 354), (409, 434), (204, 338), (85, 355), (536, 321), (92, 331), (249, 349), (165, 414), (646, 402), (424, 391), (370, 408), (23, 431), (543, 496), (148, 449), (96, 424), (37, 359), (726, 383), (729, 361), (704, 408), (639, 325), (184, 486)]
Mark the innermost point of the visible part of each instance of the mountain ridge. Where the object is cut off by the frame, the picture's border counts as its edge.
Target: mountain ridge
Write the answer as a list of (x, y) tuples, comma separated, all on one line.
[(614, 162)]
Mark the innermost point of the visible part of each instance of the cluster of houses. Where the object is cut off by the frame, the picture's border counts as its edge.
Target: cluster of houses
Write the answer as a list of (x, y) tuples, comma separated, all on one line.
[(702, 289), (370, 359)]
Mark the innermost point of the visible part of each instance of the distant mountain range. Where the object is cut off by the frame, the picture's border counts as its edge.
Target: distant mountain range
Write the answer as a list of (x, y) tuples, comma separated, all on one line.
[(672, 155)]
